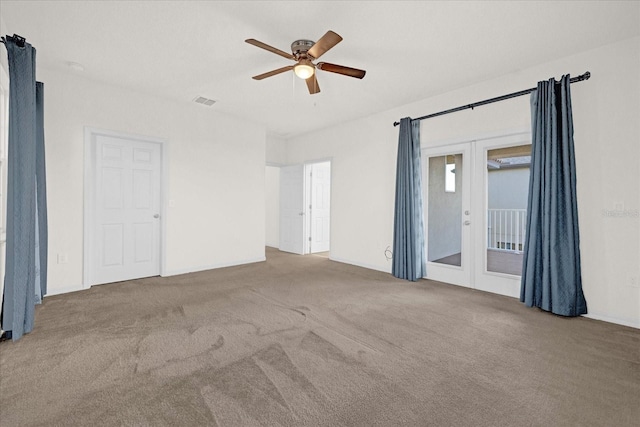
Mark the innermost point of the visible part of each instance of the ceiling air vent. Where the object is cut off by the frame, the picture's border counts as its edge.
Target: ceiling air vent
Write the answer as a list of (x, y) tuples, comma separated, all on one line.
[(204, 101)]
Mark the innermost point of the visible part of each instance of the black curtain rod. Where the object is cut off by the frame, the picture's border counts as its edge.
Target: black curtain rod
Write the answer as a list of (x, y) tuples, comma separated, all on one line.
[(580, 78), (16, 38)]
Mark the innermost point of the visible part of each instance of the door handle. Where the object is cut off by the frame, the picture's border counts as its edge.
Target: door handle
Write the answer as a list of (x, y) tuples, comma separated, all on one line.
[(156, 216), (301, 213), (467, 222)]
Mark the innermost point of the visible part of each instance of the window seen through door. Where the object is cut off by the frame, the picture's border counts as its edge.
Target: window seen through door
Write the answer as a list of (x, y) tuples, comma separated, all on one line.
[(450, 175)]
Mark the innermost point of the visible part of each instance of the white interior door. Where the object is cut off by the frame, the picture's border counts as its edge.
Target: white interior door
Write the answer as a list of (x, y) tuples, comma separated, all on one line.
[(320, 178), (447, 209), (127, 189), (292, 211)]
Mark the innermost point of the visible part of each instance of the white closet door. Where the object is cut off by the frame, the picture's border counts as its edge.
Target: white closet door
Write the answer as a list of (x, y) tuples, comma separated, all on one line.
[(127, 209)]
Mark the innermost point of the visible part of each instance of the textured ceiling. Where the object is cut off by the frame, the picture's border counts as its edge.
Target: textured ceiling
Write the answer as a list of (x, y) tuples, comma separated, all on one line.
[(411, 50)]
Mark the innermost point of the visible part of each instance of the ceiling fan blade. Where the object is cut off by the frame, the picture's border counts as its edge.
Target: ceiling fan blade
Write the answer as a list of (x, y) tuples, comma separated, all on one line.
[(270, 48), (273, 73), (326, 42), (341, 69), (312, 84)]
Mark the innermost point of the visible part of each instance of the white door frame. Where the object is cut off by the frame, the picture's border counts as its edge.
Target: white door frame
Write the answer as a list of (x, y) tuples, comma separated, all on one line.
[(475, 267), (90, 134)]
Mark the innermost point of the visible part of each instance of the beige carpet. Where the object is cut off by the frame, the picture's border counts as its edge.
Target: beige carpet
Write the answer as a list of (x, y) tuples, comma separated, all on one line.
[(304, 341)]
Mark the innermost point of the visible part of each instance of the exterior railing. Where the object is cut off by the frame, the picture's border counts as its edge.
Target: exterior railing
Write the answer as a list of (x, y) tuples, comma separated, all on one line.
[(506, 229)]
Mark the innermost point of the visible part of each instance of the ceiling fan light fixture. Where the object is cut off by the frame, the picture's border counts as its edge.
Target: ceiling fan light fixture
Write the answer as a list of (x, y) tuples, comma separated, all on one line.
[(304, 69)]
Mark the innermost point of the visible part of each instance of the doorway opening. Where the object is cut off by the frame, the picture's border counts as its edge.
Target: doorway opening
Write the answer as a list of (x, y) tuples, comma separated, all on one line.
[(305, 208)]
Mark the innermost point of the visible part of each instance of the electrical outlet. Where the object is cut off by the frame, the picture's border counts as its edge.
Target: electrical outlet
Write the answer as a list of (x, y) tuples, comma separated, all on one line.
[(63, 258)]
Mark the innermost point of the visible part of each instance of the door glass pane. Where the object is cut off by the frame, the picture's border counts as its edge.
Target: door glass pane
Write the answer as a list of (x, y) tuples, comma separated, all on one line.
[(508, 189), (444, 229)]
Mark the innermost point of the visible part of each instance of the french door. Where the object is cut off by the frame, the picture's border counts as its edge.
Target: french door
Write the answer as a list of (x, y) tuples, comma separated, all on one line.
[(475, 196), (447, 209)]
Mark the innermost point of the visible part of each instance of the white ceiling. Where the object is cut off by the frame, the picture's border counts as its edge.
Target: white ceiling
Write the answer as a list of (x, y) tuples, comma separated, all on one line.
[(411, 50)]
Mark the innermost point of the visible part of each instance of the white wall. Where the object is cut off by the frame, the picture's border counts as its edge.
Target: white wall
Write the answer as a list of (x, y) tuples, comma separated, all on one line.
[(508, 188), (606, 109), (276, 150), (272, 206), (215, 180), (276, 155)]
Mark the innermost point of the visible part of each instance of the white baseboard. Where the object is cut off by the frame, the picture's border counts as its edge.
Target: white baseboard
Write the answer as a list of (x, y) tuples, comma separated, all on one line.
[(65, 290), (211, 266), (616, 320), (359, 264), (68, 289)]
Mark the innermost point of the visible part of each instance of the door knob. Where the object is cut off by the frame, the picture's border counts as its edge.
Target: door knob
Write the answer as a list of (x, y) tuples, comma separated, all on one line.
[(156, 216)]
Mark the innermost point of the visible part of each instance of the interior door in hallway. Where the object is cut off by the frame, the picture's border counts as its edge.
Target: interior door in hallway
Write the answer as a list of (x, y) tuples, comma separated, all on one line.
[(319, 206), (126, 199), (292, 212)]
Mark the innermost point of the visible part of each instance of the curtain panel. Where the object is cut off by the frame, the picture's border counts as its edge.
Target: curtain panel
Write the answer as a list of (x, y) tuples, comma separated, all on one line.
[(26, 246), (551, 277), (408, 235)]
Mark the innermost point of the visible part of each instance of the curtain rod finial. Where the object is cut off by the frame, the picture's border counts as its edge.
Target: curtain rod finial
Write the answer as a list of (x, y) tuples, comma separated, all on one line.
[(587, 75)]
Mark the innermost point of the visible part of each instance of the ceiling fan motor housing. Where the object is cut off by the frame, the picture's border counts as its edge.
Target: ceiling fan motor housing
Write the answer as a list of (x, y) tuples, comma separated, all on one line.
[(299, 48)]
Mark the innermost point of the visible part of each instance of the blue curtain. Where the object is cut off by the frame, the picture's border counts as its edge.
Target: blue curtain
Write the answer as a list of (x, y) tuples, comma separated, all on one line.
[(26, 268), (551, 277), (408, 229)]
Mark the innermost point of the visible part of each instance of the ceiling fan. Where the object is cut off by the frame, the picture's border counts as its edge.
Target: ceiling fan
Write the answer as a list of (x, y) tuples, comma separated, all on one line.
[(304, 52)]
